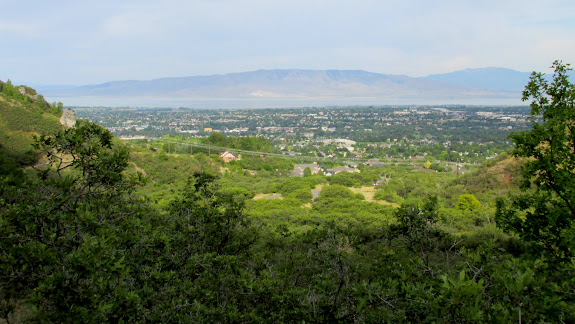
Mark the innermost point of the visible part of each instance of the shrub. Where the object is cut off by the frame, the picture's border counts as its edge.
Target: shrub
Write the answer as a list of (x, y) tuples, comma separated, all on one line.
[(468, 202), (336, 191), (301, 194)]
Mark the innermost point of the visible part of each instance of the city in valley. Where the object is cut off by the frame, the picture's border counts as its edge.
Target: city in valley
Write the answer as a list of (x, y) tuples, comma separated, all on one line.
[(466, 134)]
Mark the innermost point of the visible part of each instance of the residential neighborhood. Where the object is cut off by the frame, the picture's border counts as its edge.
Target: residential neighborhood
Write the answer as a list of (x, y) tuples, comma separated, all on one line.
[(455, 133)]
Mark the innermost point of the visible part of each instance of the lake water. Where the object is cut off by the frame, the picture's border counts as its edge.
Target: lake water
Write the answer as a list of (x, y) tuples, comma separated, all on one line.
[(259, 103)]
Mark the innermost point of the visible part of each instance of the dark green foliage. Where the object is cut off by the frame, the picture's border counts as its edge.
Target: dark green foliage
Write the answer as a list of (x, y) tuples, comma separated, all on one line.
[(89, 145), (417, 225), (544, 213), (63, 240), (201, 260), (80, 243), (211, 217), (9, 168)]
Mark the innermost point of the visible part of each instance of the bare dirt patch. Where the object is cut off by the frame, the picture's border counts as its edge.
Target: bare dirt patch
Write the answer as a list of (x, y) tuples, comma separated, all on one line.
[(267, 196), (501, 169)]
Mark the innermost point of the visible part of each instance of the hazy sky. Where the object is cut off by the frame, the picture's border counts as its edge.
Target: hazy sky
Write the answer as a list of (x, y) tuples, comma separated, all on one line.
[(84, 42)]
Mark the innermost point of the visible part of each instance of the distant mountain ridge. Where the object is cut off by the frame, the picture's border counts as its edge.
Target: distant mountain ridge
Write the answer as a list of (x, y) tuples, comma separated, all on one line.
[(493, 78), (296, 83)]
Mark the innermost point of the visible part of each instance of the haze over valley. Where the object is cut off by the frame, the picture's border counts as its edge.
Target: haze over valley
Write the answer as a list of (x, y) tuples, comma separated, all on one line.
[(313, 84)]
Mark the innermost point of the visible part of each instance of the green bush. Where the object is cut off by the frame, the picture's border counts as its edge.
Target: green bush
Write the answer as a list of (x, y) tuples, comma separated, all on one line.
[(302, 194), (345, 179), (336, 191), (236, 193), (468, 202), (387, 194)]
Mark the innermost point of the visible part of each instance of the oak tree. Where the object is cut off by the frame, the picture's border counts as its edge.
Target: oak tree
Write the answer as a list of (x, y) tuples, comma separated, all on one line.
[(544, 212)]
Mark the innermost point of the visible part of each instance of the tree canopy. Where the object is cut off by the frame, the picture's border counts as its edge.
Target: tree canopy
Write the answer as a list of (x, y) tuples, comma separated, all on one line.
[(81, 243), (544, 213)]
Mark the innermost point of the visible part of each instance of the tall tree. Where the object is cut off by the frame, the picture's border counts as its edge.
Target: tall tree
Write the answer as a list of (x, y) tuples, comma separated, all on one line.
[(544, 213)]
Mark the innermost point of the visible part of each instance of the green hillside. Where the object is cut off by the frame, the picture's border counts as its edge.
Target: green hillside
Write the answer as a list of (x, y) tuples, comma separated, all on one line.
[(149, 232), (24, 113)]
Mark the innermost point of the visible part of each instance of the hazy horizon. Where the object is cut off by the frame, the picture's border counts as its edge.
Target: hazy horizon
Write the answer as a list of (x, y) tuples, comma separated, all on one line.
[(255, 103), (251, 71), (79, 43)]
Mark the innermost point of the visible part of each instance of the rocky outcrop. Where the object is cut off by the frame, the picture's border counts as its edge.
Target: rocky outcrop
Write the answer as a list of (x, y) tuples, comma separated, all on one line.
[(68, 118), (32, 94), (29, 92)]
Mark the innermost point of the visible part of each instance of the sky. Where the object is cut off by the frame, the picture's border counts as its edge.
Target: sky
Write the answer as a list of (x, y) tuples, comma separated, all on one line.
[(76, 42)]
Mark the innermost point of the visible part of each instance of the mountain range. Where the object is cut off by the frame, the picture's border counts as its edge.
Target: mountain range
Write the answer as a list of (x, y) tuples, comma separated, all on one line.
[(499, 79), (295, 83)]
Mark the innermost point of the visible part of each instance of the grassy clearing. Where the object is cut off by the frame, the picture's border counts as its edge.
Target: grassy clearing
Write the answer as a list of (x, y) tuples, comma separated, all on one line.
[(367, 192)]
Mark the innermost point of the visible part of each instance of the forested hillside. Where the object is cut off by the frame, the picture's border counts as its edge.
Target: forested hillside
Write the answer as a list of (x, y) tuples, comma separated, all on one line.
[(121, 231)]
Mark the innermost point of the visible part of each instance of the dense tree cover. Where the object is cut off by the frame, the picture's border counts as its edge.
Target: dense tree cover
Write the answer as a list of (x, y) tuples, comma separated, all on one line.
[(544, 213), (89, 241), (63, 242)]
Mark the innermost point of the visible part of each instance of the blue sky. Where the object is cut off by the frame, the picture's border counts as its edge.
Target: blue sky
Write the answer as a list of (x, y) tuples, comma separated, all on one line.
[(86, 42)]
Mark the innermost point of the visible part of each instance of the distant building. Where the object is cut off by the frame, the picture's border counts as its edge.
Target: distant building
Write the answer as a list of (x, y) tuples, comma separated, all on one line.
[(299, 169), (351, 164), (228, 156), (208, 129), (375, 162), (336, 170), (339, 141)]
